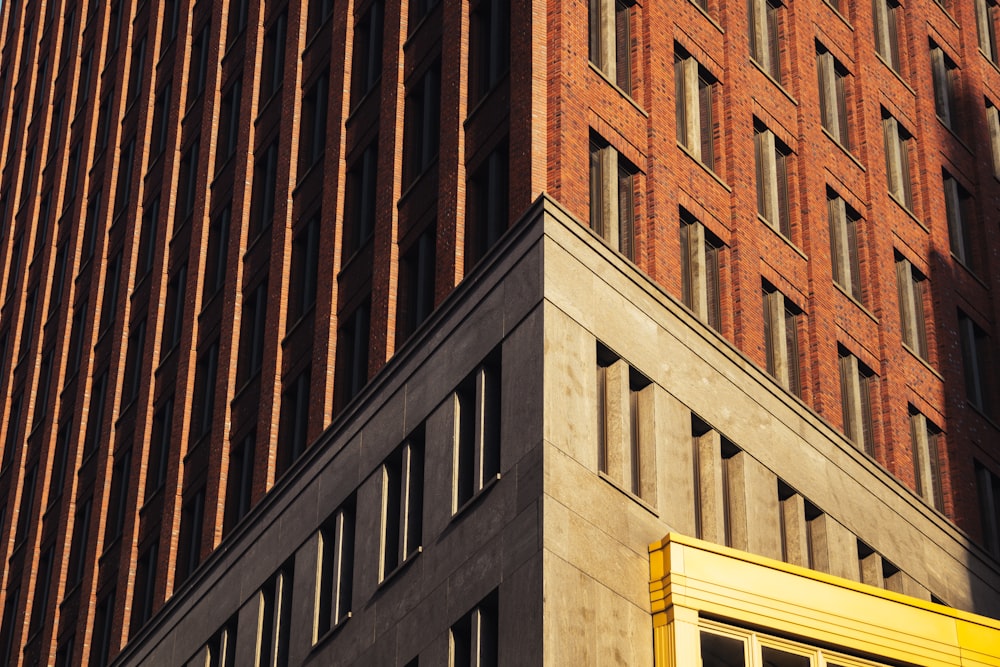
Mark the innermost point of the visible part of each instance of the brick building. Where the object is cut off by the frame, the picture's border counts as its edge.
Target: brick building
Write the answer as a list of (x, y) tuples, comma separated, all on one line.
[(316, 346)]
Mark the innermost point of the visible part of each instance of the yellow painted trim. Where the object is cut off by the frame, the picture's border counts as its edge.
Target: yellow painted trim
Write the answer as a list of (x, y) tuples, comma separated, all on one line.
[(720, 582)]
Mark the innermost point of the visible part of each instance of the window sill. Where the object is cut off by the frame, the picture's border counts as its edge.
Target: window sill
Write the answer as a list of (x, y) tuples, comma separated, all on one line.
[(895, 73), (953, 133), (312, 38), (113, 544), (784, 238), (399, 569), (621, 91), (704, 166), (969, 270), (844, 148), (838, 14), (990, 60), (165, 357), (856, 302), (705, 13), (291, 329), (484, 98), (947, 14), (474, 499), (628, 494), (923, 361), (353, 113), (327, 634), (147, 501), (345, 264), (303, 174), (906, 209), (979, 411), (774, 81), (275, 94), (415, 180)]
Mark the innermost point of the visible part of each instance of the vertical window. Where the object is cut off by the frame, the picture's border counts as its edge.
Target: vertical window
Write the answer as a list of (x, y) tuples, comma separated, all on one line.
[(944, 73), (274, 619), (319, 12), (13, 441), (857, 385), (189, 541), (913, 292), (624, 425), (765, 21), (415, 298), (993, 123), (312, 136), (477, 431), (239, 482), (104, 618), (173, 316), (95, 421), (78, 545), (833, 96), (844, 245), (976, 360), (118, 501), (695, 90), (144, 590), (473, 640), (252, 330), (215, 258), (109, 304), (887, 15), (265, 183), (610, 45), (161, 121), (959, 209), (198, 64), (293, 429), (986, 17), (700, 251), (159, 448), (147, 239), (59, 464), (336, 570), (925, 439), (138, 65), (272, 71), (771, 160), (188, 182), (422, 123), (229, 123), (359, 207), (487, 205), (612, 197), (352, 355), (781, 339), (988, 486), (204, 391), (489, 46), (171, 18), (44, 581), (367, 62), (402, 503), (27, 504), (897, 160), (222, 646), (44, 383), (125, 165), (305, 271), (238, 10)]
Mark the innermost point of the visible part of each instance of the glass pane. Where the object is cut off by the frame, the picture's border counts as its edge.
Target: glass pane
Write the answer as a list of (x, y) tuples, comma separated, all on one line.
[(775, 658), (719, 651)]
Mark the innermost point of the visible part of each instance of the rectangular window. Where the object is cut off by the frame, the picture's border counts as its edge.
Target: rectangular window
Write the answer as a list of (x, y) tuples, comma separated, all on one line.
[(78, 545), (229, 123), (765, 19), (204, 392), (833, 96), (44, 384), (474, 639), (305, 271), (367, 63), (976, 360), (159, 448), (422, 125), (188, 182), (415, 298), (857, 386), (336, 570), (402, 503), (844, 222), (25, 515), (109, 304), (171, 19), (486, 205), (13, 441), (104, 618), (144, 591), (898, 142), (887, 14), (986, 21), (125, 164), (913, 293), (993, 123), (960, 211), (252, 330), (198, 64), (700, 254), (238, 11), (118, 501), (359, 206), (222, 646), (319, 12), (610, 46), (312, 128), (293, 428), (771, 158), (489, 46), (42, 587), (925, 438), (274, 619), (265, 183), (138, 65), (988, 485), (239, 482), (161, 121), (95, 420), (352, 355), (147, 239), (215, 257), (477, 431), (59, 464), (944, 73), (625, 447), (173, 315), (612, 197), (189, 540), (272, 71), (695, 91), (781, 339)]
